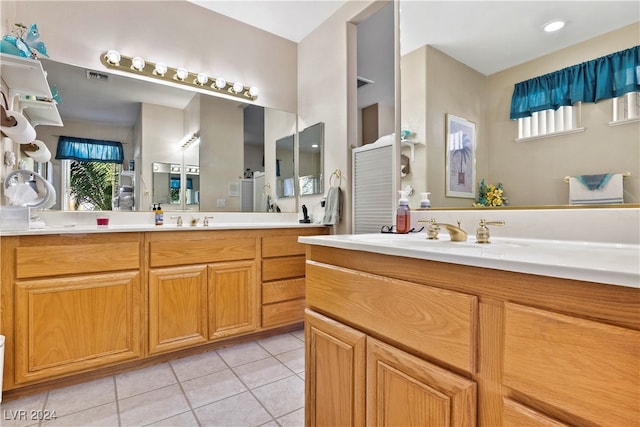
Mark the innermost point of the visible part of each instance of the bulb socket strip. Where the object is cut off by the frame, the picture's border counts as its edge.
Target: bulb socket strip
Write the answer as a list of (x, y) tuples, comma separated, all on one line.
[(177, 75)]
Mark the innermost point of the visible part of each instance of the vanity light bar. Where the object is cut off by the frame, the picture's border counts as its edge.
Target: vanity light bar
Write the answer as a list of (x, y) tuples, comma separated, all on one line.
[(137, 65)]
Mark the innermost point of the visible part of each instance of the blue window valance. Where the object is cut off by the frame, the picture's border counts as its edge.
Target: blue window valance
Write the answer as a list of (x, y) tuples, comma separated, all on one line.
[(602, 78), (89, 150)]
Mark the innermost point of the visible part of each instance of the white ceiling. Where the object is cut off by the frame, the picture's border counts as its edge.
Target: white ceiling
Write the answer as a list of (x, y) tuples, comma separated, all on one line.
[(488, 36)]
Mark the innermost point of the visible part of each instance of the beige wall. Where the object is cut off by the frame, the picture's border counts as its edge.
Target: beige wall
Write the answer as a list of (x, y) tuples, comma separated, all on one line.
[(442, 86), (533, 171), (326, 59), (176, 32)]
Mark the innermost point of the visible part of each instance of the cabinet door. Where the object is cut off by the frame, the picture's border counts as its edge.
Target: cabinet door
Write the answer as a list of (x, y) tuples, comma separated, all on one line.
[(403, 390), (177, 307), (334, 373), (73, 324), (233, 298), (517, 415)]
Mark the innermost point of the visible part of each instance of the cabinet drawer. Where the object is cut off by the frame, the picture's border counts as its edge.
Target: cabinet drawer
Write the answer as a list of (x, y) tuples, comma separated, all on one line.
[(181, 252), (435, 322), (275, 246), (282, 290), (283, 268), (572, 363), (76, 258), (282, 313)]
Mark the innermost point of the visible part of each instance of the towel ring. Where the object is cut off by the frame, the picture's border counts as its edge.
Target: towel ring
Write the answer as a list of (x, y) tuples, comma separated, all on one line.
[(626, 174), (338, 174)]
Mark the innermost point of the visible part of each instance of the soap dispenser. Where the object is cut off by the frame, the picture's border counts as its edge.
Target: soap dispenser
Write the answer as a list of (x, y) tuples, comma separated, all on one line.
[(425, 203), (403, 214)]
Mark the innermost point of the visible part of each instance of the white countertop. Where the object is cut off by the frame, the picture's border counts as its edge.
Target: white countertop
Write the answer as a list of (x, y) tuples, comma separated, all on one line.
[(87, 229), (609, 263)]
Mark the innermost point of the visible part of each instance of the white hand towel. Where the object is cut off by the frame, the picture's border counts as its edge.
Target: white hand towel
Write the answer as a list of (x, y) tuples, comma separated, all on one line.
[(333, 206), (611, 192)]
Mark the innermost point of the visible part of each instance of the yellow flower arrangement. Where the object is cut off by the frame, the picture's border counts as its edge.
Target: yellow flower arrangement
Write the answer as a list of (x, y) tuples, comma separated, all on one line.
[(490, 195)]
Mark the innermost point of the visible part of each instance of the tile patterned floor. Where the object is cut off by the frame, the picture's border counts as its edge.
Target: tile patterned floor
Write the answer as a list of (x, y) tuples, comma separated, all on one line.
[(259, 383)]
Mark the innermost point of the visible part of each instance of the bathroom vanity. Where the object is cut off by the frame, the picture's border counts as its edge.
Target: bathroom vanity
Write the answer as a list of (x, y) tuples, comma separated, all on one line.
[(402, 333), (84, 302)]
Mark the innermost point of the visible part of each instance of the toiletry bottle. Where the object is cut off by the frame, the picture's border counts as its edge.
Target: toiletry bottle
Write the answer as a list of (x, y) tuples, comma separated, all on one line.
[(159, 215), (403, 220), (425, 202)]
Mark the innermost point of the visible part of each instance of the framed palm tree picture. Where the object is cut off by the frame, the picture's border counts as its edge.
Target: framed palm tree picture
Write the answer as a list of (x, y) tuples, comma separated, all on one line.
[(460, 158)]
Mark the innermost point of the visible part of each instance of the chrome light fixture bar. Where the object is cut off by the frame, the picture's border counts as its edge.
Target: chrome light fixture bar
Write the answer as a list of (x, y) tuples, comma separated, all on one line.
[(137, 65)]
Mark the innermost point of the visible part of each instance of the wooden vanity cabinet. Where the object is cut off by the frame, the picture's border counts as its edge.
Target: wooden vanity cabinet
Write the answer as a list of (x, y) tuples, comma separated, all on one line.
[(465, 345), (202, 287), (377, 332), (283, 276), (77, 304)]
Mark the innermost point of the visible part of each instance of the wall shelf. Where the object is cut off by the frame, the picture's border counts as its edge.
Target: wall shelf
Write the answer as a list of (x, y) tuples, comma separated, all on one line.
[(411, 144), (40, 112), (24, 76)]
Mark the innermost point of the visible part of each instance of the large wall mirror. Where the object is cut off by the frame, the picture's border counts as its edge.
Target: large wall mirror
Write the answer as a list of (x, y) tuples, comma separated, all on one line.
[(463, 59), (311, 149), (183, 149)]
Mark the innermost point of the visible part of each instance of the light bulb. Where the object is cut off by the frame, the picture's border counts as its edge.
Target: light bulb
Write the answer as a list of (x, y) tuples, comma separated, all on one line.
[(552, 26), (202, 78), (220, 83), (137, 63), (182, 73), (237, 87), (160, 70), (253, 91), (113, 57)]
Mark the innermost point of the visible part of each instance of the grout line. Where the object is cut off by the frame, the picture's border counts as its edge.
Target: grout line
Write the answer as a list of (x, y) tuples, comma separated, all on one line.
[(115, 387), (184, 395)]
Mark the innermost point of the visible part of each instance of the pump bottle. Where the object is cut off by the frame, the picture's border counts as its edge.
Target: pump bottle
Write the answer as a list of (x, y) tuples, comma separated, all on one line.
[(159, 215), (403, 214)]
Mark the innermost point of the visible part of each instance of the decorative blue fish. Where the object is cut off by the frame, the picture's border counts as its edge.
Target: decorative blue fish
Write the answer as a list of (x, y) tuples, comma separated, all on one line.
[(55, 95), (27, 45)]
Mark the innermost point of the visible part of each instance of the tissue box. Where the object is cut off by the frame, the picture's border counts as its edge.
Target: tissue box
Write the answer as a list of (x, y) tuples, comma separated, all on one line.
[(14, 218)]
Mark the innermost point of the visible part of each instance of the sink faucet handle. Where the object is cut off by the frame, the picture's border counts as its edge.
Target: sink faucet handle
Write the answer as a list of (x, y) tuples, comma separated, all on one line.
[(178, 220), (205, 222), (432, 228), (482, 233)]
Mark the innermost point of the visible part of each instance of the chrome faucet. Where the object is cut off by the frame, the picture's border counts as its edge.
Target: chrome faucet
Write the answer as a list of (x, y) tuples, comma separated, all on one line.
[(205, 222), (178, 220), (482, 233), (457, 234)]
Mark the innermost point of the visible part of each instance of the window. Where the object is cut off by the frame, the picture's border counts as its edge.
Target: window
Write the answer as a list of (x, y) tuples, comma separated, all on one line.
[(626, 108), (565, 119), (90, 172), (89, 186)]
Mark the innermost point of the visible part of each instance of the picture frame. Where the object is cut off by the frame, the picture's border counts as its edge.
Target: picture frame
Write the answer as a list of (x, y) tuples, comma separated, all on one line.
[(460, 162)]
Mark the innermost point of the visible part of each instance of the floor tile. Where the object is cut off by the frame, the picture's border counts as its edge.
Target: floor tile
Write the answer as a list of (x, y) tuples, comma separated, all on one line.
[(98, 416), (197, 365), (281, 343), (210, 388), (144, 380), (294, 419), (243, 353), (17, 413), (152, 406), (65, 401), (186, 419), (299, 334), (240, 410), (293, 359), (271, 396), (262, 372)]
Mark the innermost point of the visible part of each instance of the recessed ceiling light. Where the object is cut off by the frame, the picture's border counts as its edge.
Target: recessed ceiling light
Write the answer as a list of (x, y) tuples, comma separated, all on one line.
[(554, 25)]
